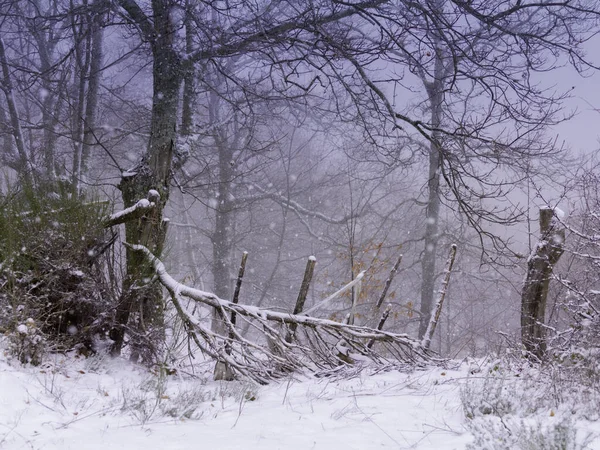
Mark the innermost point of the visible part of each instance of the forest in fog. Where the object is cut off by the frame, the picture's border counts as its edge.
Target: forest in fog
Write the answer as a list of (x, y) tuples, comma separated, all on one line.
[(299, 224), (373, 137)]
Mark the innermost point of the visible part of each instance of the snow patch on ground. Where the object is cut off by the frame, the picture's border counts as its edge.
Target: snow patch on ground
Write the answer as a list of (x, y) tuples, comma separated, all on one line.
[(74, 403)]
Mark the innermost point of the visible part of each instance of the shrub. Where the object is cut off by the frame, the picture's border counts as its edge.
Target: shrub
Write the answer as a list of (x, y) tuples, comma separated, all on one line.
[(512, 404), (493, 433), (51, 267)]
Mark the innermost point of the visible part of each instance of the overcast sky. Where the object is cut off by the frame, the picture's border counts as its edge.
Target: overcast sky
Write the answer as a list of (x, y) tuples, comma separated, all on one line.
[(582, 132)]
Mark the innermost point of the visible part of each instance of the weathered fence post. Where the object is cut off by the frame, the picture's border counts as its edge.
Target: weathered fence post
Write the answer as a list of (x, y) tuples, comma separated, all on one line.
[(388, 282), (222, 370), (435, 316), (308, 274)]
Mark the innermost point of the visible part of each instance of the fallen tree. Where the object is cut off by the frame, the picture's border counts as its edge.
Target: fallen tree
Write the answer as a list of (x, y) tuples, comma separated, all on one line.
[(320, 346)]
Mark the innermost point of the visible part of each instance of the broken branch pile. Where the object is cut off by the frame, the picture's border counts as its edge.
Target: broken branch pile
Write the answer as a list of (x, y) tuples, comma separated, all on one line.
[(320, 346)]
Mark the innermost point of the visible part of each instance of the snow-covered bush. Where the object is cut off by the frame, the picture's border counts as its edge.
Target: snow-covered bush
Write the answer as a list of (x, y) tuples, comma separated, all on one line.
[(51, 267), (513, 433), (505, 387), (512, 404), (574, 324), (26, 343), (489, 395)]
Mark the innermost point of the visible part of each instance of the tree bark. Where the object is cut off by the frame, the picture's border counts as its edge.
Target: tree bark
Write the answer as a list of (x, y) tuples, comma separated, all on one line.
[(187, 113), (222, 234), (93, 88), (308, 275), (141, 308), (435, 316), (431, 237), (51, 103), (21, 160), (535, 288), (82, 57)]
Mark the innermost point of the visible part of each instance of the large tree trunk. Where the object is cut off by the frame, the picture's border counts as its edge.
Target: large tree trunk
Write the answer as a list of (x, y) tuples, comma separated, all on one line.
[(535, 288), (141, 309), (222, 233), (226, 140), (187, 104), (222, 245), (221, 236), (431, 240)]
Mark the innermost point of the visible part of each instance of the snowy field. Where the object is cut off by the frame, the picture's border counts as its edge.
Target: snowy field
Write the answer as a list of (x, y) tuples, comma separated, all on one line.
[(79, 403)]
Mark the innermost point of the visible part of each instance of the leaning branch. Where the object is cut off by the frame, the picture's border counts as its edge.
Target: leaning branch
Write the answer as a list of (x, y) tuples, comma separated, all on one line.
[(337, 293), (388, 282), (435, 317)]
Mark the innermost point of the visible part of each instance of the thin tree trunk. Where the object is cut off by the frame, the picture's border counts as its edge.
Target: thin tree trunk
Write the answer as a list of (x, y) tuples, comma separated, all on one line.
[(93, 88), (50, 101), (388, 282), (432, 215), (8, 150), (435, 317), (22, 162), (381, 323), (82, 64), (188, 84)]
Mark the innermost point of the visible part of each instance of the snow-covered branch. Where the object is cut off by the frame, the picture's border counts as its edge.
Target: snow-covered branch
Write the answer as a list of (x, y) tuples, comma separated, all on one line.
[(337, 293), (316, 346), (135, 211)]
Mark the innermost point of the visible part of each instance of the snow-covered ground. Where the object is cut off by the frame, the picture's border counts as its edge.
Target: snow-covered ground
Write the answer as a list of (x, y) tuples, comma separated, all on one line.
[(78, 403)]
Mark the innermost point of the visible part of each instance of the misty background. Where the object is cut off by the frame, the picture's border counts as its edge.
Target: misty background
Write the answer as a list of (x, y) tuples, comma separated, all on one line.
[(291, 133)]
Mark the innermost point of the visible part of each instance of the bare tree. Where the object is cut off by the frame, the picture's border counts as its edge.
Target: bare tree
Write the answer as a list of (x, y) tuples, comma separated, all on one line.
[(483, 112), (268, 28), (572, 321), (476, 61), (19, 160)]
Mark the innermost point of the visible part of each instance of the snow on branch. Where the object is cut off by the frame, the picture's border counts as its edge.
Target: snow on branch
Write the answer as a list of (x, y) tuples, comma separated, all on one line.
[(136, 211), (337, 293), (315, 347)]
